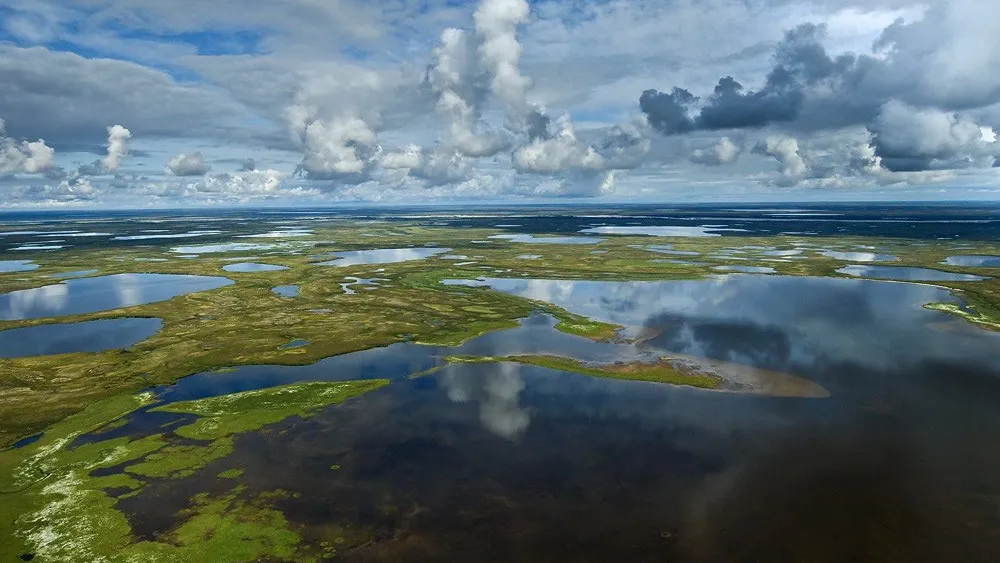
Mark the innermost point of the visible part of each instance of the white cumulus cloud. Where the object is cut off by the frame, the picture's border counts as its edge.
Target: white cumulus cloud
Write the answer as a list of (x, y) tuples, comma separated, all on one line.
[(29, 157), (117, 147)]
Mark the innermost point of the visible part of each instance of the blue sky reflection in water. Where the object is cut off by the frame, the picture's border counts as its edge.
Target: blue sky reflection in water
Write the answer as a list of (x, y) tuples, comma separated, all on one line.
[(974, 261), (286, 290), (64, 338), (251, 267), (88, 295), (905, 273), (7, 266), (651, 472), (381, 256)]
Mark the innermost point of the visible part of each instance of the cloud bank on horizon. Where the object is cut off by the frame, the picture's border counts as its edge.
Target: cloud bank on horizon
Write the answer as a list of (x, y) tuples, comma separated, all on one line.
[(125, 102)]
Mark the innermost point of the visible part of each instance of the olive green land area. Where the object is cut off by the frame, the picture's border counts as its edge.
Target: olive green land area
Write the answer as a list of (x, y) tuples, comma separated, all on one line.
[(60, 503), (246, 323), (659, 372), (677, 369), (54, 508)]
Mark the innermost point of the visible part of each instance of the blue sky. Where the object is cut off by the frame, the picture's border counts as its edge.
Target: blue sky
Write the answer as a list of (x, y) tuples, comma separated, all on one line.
[(301, 102)]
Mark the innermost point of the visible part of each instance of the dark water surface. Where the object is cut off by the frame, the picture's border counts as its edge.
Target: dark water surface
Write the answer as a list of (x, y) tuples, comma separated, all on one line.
[(64, 338), (500, 462), (103, 293), (93, 229)]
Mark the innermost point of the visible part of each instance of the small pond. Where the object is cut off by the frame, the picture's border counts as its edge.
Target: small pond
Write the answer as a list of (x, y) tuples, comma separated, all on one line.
[(286, 290)]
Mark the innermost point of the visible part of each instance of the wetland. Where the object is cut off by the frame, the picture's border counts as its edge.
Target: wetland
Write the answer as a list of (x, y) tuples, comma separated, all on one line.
[(419, 389)]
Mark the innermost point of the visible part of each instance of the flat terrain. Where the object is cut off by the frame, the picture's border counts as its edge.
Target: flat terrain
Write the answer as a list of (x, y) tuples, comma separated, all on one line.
[(59, 501)]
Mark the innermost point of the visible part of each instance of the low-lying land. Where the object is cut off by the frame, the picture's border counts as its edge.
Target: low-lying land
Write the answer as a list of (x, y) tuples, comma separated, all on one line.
[(659, 372), (675, 369), (56, 508), (246, 323), (58, 495)]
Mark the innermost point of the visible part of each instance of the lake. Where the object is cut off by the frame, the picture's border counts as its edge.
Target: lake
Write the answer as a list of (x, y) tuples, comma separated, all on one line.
[(103, 293), (495, 462), (64, 338), (381, 256)]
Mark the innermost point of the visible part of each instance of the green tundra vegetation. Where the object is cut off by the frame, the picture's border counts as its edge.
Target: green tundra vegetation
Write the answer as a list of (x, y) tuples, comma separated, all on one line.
[(55, 508), (54, 505), (659, 372), (246, 323)]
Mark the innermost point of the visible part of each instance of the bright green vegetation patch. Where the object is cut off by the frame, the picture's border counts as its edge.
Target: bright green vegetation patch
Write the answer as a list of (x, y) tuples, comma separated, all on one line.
[(240, 412), (659, 372), (224, 529), (582, 326), (181, 460), (984, 300), (53, 507)]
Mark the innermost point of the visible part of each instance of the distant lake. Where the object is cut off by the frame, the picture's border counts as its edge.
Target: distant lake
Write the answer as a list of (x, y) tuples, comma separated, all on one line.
[(381, 256), (974, 261), (905, 273)]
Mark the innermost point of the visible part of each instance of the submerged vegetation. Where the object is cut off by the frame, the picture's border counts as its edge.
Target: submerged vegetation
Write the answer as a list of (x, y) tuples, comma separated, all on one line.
[(221, 416), (57, 502)]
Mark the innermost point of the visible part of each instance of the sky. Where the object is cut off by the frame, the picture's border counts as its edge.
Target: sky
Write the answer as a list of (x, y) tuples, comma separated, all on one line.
[(174, 103)]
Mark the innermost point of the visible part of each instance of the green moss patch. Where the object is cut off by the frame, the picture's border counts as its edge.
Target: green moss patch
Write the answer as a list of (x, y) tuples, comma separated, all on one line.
[(240, 412), (54, 508)]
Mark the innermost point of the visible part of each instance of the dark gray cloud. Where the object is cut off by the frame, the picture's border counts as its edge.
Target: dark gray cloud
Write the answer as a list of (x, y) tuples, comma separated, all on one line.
[(910, 139), (801, 64), (732, 107), (944, 61), (668, 112)]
